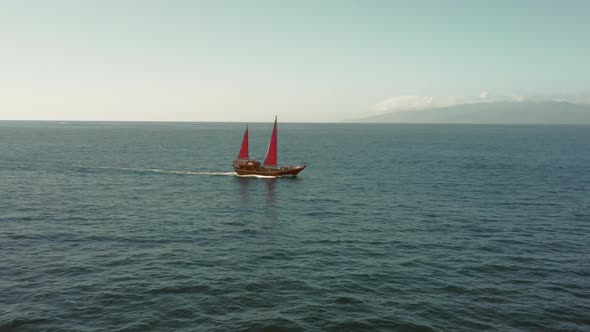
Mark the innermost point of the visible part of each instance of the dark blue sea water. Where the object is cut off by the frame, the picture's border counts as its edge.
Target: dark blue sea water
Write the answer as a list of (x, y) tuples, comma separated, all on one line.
[(142, 226)]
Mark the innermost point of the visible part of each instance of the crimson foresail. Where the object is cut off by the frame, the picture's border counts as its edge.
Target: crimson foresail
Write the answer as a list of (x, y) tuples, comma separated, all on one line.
[(244, 149)]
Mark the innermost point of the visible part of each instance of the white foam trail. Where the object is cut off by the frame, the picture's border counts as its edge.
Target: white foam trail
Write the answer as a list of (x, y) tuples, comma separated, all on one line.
[(256, 176), (155, 170)]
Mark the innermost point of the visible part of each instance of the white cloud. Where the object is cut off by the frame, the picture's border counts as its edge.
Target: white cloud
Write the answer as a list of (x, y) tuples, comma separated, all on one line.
[(518, 98), (483, 95), (415, 102), (404, 102)]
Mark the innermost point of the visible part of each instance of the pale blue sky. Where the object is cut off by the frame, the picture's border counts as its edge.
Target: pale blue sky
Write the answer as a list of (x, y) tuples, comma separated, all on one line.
[(301, 60)]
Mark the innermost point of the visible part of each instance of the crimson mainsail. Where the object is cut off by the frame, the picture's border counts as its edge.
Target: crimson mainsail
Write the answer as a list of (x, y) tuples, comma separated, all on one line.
[(244, 166), (271, 152)]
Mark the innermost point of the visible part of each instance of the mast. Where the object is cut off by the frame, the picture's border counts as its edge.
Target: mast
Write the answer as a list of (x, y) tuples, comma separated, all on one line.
[(244, 149), (271, 153)]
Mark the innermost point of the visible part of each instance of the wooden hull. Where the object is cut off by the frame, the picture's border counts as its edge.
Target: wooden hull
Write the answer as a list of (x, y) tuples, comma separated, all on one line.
[(244, 170)]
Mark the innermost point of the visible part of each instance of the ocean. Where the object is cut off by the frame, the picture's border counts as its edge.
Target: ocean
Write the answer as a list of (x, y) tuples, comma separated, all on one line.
[(393, 227)]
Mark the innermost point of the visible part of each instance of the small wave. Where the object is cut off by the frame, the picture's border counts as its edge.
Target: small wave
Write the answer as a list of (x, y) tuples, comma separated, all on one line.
[(155, 170), (348, 300), (274, 324), (16, 324), (183, 289)]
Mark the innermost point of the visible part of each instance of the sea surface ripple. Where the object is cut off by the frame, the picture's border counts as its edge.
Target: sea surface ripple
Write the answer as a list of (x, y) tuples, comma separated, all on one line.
[(143, 227)]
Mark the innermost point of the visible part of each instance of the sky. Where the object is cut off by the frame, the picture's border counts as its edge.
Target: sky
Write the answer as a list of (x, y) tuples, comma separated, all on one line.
[(304, 61)]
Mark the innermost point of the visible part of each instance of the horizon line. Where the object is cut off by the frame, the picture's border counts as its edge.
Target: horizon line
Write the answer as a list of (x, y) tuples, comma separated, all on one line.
[(341, 122)]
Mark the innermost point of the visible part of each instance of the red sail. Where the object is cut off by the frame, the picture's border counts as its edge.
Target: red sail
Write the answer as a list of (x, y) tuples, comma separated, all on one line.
[(271, 153), (244, 149)]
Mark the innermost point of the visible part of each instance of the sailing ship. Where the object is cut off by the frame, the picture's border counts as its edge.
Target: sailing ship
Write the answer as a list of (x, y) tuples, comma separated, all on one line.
[(245, 166)]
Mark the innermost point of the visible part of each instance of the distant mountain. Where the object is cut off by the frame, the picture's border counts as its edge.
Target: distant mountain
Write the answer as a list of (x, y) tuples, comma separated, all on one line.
[(546, 112)]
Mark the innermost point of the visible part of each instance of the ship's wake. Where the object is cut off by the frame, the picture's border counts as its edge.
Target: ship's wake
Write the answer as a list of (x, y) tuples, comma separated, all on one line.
[(256, 176), (156, 170)]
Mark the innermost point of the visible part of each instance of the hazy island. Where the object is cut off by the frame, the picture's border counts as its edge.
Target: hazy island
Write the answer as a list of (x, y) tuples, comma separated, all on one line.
[(505, 112)]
